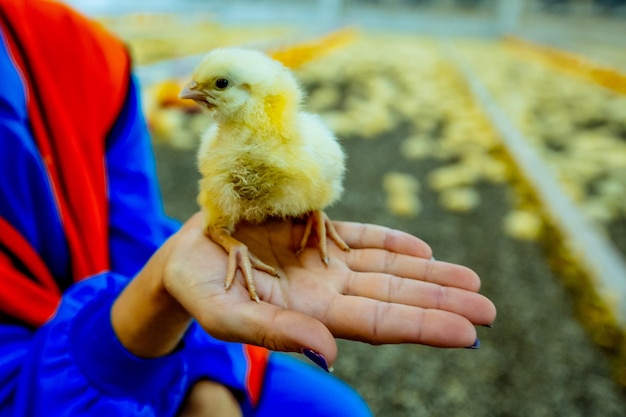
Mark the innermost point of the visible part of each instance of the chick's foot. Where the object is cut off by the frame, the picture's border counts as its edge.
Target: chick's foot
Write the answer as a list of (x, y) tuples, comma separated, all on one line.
[(324, 228), (239, 258)]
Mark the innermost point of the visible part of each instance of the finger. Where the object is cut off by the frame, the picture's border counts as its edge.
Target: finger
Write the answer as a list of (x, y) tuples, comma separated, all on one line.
[(376, 322), (269, 326), (389, 288), (429, 270), (358, 235)]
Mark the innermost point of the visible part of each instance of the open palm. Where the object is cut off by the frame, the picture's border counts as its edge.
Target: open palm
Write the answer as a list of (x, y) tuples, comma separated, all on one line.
[(385, 290)]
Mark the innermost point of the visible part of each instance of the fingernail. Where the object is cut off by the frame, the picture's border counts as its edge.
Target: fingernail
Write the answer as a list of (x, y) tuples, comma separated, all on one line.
[(317, 358), (476, 345), (490, 326)]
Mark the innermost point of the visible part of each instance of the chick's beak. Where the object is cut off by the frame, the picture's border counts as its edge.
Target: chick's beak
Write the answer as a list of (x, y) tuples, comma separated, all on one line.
[(190, 92)]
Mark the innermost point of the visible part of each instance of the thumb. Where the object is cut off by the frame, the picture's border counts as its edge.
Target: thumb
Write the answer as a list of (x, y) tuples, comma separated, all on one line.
[(272, 327)]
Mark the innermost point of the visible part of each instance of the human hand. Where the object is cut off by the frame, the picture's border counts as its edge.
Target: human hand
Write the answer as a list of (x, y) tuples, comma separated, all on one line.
[(385, 290)]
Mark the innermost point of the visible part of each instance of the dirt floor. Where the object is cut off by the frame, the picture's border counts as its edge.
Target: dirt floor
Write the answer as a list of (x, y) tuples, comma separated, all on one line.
[(536, 360)]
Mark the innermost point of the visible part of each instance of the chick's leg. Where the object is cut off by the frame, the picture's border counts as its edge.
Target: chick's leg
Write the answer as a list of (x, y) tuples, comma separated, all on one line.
[(238, 257), (324, 228)]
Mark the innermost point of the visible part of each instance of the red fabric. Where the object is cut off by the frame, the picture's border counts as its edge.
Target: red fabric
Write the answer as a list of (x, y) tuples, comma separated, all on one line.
[(28, 292), (32, 263), (34, 309), (77, 78), (257, 358)]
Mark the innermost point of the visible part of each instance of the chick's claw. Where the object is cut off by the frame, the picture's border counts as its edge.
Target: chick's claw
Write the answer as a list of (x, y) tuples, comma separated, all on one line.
[(239, 258), (324, 228)]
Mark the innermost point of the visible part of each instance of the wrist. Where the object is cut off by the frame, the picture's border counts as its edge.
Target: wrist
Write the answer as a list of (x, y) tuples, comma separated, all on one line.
[(146, 318)]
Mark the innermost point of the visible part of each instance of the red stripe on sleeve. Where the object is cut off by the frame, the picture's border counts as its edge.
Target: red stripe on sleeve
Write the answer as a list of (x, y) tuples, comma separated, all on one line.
[(28, 257), (23, 298)]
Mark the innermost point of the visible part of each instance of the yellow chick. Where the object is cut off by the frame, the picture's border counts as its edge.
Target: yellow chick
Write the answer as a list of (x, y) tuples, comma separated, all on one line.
[(263, 157)]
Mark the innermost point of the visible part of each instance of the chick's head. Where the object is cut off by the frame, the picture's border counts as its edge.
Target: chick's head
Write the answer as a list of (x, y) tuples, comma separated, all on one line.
[(237, 84)]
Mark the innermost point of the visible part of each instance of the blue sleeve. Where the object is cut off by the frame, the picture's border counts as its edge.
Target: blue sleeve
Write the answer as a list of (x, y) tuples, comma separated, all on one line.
[(76, 366), (138, 224)]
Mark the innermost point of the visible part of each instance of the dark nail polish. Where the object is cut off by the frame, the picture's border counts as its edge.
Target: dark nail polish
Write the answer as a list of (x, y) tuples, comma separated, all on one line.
[(476, 345), (317, 358)]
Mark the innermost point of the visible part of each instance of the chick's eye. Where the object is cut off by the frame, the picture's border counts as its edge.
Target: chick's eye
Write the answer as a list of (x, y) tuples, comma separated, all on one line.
[(221, 83)]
